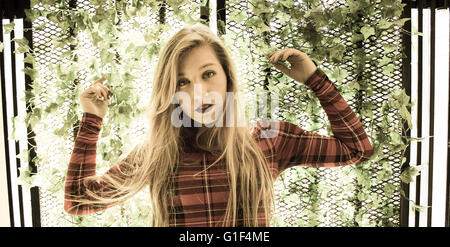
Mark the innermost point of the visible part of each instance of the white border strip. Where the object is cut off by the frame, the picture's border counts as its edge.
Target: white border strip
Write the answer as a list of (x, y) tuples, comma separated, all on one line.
[(441, 103), (21, 111), (213, 16), (5, 221), (423, 216), (414, 112), (9, 114)]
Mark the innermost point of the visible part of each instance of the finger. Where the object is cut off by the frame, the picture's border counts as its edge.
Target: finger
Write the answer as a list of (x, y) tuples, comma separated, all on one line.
[(282, 68), (106, 89), (270, 57), (95, 92), (276, 56), (103, 92), (287, 54), (273, 56), (271, 53), (92, 90), (101, 80), (282, 54)]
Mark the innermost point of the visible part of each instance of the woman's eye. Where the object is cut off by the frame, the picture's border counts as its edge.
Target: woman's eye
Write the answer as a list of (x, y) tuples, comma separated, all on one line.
[(209, 73), (182, 83)]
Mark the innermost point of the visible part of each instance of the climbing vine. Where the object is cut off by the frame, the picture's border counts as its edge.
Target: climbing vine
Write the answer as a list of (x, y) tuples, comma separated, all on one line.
[(339, 37)]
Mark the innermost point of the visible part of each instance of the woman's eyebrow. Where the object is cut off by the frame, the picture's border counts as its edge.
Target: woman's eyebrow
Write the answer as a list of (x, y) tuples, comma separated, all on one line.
[(203, 66)]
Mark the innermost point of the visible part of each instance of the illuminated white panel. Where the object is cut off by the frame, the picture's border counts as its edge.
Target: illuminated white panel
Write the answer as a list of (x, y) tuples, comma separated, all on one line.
[(9, 114), (414, 98), (21, 111), (441, 103), (213, 16), (425, 116)]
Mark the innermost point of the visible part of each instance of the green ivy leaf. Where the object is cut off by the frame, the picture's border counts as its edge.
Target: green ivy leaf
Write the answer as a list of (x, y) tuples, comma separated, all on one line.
[(415, 31), (21, 49), (354, 5), (29, 59), (389, 190), (383, 24), (32, 73), (287, 3), (337, 52), (262, 28), (238, 16), (34, 2), (98, 3), (396, 138), (25, 178), (354, 85), (31, 14), (367, 31), (419, 208), (401, 22), (367, 112), (388, 69), (52, 107), (356, 37), (388, 48), (385, 60), (340, 74), (23, 45), (405, 114), (7, 28), (410, 173)]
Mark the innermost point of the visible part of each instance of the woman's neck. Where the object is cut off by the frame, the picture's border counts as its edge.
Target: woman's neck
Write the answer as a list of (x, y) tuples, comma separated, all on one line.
[(190, 142)]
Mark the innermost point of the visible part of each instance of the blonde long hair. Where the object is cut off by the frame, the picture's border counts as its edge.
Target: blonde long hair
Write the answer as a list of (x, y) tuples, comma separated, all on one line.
[(154, 161)]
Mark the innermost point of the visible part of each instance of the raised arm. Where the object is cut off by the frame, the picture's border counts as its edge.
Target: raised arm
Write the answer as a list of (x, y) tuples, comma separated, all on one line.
[(81, 176), (296, 146), (81, 173)]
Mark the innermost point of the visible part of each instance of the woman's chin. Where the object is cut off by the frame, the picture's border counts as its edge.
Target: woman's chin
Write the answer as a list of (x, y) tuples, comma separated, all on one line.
[(202, 122), (208, 119)]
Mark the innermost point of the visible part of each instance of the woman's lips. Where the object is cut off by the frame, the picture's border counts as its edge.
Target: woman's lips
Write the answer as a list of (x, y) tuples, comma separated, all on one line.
[(204, 108)]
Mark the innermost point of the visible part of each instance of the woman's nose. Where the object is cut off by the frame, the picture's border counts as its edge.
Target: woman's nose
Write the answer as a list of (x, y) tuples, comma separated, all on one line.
[(200, 90)]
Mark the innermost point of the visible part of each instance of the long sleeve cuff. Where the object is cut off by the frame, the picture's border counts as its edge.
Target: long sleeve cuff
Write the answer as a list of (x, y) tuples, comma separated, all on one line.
[(90, 126), (316, 81)]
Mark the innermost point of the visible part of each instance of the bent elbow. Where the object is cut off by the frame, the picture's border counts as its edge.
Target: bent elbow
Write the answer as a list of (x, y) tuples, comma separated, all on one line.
[(367, 154), (71, 209), (364, 155), (368, 151), (75, 208)]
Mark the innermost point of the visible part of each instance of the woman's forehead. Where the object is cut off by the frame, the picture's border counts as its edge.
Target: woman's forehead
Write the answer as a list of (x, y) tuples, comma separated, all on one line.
[(197, 59)]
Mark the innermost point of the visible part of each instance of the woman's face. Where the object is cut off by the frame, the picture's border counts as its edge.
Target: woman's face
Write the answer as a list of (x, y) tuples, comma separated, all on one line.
[(201, 85)]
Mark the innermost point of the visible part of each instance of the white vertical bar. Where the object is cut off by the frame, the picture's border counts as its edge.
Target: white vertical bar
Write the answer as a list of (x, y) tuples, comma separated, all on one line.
[(4, 200), (414, 112), (423, 216), (213, 16), (441, 103), (21, 111), (9, 114)]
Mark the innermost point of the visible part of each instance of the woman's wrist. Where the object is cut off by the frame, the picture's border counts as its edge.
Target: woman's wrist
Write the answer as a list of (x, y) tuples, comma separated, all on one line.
[(310, 69)]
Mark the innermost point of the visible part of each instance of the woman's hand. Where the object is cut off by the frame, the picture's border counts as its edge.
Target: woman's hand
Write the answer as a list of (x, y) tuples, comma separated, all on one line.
[(95, 99), (302, 67)]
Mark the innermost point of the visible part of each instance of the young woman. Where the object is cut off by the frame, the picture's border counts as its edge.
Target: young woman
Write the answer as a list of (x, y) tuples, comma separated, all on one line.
[(201, 174)]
